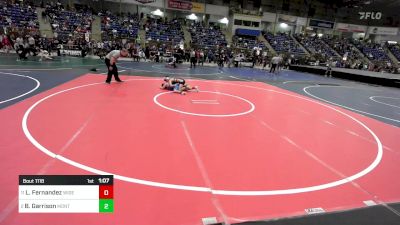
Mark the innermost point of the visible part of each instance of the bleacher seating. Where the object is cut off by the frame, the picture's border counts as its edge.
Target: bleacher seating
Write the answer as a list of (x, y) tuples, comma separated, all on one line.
[(119, 27), (372, 51), (316, 45), (69, 23), (395, 49), (18, 15), (165, 31), (247, 42), (283, 43), (344, 48), (206, 37)]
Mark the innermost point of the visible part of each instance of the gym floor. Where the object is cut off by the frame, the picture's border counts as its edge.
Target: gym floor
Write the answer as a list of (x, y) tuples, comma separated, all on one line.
[(249, 146)]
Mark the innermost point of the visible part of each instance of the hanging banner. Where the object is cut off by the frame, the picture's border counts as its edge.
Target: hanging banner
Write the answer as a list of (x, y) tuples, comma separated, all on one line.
[(321, 24), (345, 27), (179, 4), (268, 17), (291, 20), (383, 30), (198, 7), (71, 52), (301, 21), (153, 3)]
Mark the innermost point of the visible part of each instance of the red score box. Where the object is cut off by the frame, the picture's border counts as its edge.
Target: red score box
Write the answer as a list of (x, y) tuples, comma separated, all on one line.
[(106, 192)]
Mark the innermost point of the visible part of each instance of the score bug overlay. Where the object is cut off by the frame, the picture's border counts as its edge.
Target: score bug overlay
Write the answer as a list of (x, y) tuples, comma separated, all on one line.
[(66, 194)]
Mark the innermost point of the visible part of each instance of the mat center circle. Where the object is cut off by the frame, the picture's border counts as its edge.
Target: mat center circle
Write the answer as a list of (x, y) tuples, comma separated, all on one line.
[(205, 103), (151, 182)]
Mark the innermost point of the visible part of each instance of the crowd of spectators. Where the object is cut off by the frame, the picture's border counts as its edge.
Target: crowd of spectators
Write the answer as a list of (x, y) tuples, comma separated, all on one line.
[(164, 30), (282, 43), (164, 39), (372, 51), (123, 26), (395, 49), (343, 47), (315, 45), (376, 53), (208, 37), (19, 17), (246, 42), (68, 24)]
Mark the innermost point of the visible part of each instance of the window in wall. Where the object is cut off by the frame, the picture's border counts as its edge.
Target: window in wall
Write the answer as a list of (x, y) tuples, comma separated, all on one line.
[(256, 24), (246, 23), (238, 22)]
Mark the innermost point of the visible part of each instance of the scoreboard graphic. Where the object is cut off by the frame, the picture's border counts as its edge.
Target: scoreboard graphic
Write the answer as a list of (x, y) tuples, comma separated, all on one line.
[(66, 194)]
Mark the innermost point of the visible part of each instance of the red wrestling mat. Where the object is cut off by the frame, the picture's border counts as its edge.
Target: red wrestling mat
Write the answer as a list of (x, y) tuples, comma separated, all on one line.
[(235, 151)]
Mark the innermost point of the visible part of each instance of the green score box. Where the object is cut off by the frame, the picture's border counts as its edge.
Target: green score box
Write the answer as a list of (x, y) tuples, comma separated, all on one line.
[(106, 205)]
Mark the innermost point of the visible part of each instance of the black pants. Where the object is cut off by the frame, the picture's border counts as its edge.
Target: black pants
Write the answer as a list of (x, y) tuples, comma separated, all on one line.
[(114, 71), (273, 67), (22, 52), (192, 62), (32, 49), (220, 62)]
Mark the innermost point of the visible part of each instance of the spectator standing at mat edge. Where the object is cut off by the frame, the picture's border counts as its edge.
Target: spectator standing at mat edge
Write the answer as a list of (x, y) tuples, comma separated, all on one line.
[(274, 61), (111, 63), (192, 58), (328, 71)]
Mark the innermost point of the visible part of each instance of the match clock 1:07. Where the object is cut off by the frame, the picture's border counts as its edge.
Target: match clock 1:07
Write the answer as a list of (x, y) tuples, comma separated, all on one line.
[(104, 180)]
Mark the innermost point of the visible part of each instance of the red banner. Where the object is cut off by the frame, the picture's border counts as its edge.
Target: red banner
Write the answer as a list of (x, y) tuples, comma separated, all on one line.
[(178, 4)]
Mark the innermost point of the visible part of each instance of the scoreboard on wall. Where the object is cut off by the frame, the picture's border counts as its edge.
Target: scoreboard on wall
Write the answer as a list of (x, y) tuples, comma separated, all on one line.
[(66, 194)]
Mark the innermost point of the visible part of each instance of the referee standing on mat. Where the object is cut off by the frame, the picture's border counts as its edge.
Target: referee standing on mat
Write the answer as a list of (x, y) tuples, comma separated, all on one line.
[(111, 60)]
